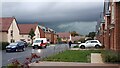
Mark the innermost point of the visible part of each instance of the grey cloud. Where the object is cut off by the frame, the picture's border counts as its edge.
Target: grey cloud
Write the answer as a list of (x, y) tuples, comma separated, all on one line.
[(54, 14), (81, 27)]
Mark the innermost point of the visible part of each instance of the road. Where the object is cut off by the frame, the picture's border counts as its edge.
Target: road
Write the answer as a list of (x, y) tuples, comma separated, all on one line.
[(20, 56)]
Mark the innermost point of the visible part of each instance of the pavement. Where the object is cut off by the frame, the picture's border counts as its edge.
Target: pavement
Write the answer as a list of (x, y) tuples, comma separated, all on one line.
[(84, 49), (46, 63), (72, 65)]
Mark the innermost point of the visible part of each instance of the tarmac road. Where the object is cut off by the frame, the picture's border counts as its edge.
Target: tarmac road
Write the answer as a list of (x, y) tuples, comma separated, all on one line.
[(20, 56)]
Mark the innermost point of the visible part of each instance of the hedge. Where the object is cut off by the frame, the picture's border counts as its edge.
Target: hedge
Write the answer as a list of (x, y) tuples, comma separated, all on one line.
[(3, 45), (111, 56)]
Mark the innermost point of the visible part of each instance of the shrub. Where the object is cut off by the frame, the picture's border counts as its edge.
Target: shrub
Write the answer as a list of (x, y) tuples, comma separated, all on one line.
[(111, 57), (82, 40), (3, 46), (76, 47)]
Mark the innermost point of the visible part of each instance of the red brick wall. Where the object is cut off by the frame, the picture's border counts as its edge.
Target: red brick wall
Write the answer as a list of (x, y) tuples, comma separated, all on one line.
[(55, 38), (117, 26), (42, 33), (52, 37), (112, 39), (107, 35), (48, 36)]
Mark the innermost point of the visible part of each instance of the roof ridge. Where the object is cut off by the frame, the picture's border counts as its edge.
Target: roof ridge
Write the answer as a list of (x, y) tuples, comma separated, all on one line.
[(7, 17)]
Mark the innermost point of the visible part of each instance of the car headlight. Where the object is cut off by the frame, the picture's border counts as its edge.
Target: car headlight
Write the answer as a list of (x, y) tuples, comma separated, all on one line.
[(7, 46), (13, 47)]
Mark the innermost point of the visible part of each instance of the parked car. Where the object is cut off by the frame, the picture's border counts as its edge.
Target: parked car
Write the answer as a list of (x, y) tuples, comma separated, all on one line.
[(25, 43), (17, 46), (90, 43), (40, 43)]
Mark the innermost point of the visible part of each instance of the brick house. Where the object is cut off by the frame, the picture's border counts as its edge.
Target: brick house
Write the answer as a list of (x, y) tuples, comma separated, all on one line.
[(12, 32), (100, 29), (65, 36), (49, 34), (9, 30), (55, 38), (112, 25), (42, 33), (25, 29)]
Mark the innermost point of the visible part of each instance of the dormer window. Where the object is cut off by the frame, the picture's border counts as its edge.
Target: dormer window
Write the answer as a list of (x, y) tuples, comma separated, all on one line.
[(43, 29), (46, 30)]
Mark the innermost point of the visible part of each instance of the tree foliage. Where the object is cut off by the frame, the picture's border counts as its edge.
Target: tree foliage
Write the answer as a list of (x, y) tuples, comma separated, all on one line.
[(31, 33), (59, 40), (74, 33), (91, 34)]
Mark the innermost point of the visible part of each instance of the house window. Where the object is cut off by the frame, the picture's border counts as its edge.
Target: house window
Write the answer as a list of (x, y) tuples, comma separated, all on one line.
[(28, 39), (47, 30), (28, 36), (11, 33), (38, 35), (12, 40), (43, 29)]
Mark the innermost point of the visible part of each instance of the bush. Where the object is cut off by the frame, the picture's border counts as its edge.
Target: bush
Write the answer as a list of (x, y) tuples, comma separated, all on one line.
[(111, 57), (3, 46), (76, 47), (82, 40)]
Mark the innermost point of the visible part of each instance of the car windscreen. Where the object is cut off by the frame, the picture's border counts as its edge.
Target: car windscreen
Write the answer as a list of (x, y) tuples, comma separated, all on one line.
[(37, 41), (13, 44)]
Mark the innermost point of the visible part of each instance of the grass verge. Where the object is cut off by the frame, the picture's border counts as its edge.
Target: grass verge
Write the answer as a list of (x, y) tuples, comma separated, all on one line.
[(72, 56)]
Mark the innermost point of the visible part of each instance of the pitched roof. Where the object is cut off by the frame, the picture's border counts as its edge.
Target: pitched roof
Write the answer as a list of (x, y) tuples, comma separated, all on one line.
[(5, 23), (76, 38), (64, 35), (25, 28), (42, 33)]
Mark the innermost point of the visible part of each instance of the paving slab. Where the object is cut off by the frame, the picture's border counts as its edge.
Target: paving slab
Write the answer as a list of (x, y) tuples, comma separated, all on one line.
[(96, 58)]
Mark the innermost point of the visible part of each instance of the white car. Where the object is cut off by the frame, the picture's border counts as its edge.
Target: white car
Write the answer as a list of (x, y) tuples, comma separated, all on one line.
[(90, 43), (40, 43)]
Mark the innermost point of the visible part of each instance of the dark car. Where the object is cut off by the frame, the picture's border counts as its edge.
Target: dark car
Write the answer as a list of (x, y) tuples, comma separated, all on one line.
[(25, 43), (17, 46)]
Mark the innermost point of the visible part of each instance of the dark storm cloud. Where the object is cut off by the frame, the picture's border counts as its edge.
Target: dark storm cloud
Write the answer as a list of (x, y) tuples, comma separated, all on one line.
[(57, 13)]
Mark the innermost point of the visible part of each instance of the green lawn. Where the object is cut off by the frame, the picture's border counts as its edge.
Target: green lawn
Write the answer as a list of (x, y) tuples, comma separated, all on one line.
[(73, 56)]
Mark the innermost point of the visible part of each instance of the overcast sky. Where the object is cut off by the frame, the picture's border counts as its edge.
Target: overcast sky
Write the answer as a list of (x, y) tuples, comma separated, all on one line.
[(59, 15)]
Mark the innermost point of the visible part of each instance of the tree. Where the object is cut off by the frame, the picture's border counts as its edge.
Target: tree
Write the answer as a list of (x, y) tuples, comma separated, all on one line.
[(59, 40), (31, 34), (91, 34), (74, 33)]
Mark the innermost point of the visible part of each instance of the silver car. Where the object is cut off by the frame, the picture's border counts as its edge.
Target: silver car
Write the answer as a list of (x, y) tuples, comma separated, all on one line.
[(90, 43)]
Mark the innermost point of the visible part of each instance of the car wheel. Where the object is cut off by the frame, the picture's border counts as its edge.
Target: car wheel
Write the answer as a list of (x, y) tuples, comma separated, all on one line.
[(33, 47), (45, 46), (83, 47), (6, 50), (42, 47), (23, 49), (97, 46), (16, 50)]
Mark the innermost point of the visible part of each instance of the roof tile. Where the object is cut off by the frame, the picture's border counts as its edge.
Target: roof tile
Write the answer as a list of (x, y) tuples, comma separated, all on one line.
[(5, 23), (25, 28)]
